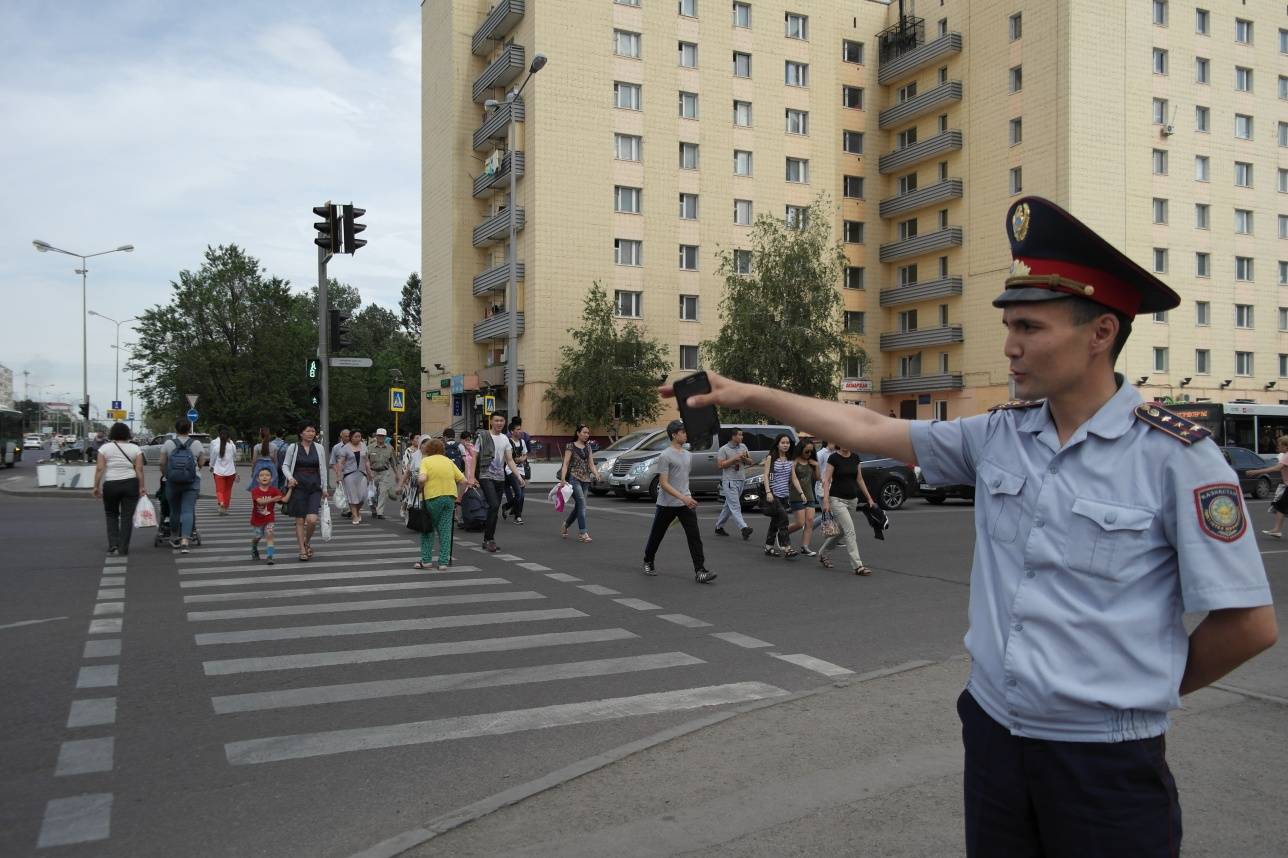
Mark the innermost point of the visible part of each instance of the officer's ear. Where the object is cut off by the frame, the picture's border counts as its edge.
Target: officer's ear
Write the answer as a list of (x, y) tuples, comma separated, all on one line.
[(1103, 332)]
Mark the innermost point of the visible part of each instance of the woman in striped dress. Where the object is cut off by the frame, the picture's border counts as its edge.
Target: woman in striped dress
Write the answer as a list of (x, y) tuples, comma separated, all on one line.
[(779, 481)]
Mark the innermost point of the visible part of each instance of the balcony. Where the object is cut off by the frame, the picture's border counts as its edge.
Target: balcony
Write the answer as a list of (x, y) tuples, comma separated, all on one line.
[(904, 37), (500, 20), (496, 278), (497, 227), (919, 105), (940, 192), (496, 127), (918, 58), (919, 244), (495, 327), (941, 144), (498, 376), (898, 340), (922, 383), (507, 66), (910, 293), (486, 184)]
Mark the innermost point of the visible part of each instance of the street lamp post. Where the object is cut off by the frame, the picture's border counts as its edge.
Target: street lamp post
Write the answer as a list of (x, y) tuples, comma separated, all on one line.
[(511, 294), (117, 376), (83, 271), (131, 369)]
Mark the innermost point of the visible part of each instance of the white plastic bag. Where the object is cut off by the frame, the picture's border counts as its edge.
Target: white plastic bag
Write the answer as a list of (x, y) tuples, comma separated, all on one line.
[(338, 498), (145, 514), (324, 522), (560, 496)]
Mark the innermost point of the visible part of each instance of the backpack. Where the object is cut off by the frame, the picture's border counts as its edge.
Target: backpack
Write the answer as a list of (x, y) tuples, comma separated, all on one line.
[(473, 510), (452, 450), (181, 465)]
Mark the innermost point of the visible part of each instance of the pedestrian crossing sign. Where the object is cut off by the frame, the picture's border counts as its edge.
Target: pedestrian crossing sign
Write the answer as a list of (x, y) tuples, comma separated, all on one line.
[(398, 399)]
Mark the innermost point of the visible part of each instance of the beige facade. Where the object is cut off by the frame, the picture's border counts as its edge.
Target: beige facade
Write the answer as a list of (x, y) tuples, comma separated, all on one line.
[(921, 216)]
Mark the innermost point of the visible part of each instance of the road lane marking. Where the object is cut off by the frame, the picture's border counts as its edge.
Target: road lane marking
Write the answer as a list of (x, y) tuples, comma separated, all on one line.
[(533, 567), (349, 588), (105, 627), (98, 676), (95, 712), (319, 576), (448, 682), (80, 819), (107, 648), (304, 745), (510, 558), (104, 595), (384, 548), (112, 581), (453, 621), (815, 664), (369, 605), (21, 623), (313, 564), (684, 620), (741, 640), (638, 604), (600, 590), (398, 653), (116, 561), (85, 756), (562, 576), (105, 608), (224, 543)]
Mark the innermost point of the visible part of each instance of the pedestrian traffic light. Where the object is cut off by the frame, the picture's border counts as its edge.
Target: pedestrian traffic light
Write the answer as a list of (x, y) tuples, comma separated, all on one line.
[(312, 368), (352, 228), (341, 337), (328, 229), (83, 408), (315, 396)]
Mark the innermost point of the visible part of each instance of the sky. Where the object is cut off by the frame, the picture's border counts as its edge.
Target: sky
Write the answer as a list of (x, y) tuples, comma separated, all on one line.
[(173, 126)]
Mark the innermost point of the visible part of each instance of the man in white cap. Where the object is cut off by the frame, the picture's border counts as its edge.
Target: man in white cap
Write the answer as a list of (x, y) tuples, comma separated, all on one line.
[(380, 456)]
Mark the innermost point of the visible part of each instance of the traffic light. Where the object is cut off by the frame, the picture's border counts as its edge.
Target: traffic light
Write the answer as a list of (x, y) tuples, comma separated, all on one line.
[(351, 228), (312, 368), (83, 408), (341, 336), (315, 396), (328, 229)]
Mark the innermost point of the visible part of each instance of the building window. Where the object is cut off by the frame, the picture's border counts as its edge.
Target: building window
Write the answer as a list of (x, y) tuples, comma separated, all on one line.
[(1202, 313), (851, 52), (1243, 363), (1160, 359), (795, 217), (627, 251), (852, 142), (907, 321), (1283, 318), (1159, 157), (742, 261), (626, 199), (1282, 131), (1160, 260), (741, 162), (1202, 168), (943, 218), (1283, 273), (1283, 366), (1016, 78), (1242, 31), (943, 315), (1242, 79), (688, 105), (1202, 265), (1243, 221), (905, 138), (1202, 216), (910, 366), (742, 114), (741, 64), (626, 44), (1202, 361), (853, 231), (1243, 268), (742, 15), (942, 123), (942, 29), (688, 206), (907, 184), (1283, 226), (941, 77), (689, 357), (688, 55), (629, 304), (852, 97), (1201, 119), (943, 267), (1160, 61), (797, 26), (1283, 41), (1242, 174), (1283, 180), (1017, 180), (626, 96), (907, 274), (797, 170), (1160, 111), (797, 121), (688, 156), (627, 2), (1161, 317), (1202, 70), (689, 308), (742, 212), (795, 74), (689, 8), (906, 92), (853, 187), (853, 322), (688, 257), (1283, 87), (853, 367), (1202, 21), (1160, 13), (1160, 210), (941, 405), (854, 277), (1016, 134), (907, 229), (626, 147), (1242, 126), (1015, 26)]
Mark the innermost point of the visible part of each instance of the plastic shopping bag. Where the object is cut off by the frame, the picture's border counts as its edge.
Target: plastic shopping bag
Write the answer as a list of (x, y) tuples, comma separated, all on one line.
[(324, 522), (145, 514), (338, 498), (560, 496)]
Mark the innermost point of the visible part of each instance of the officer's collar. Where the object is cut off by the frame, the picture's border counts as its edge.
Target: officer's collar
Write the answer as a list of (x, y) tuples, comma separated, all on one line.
[(1112, 421)]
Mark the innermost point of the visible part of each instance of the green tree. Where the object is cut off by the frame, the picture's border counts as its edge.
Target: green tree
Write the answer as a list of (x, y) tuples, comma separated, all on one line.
[(782, 324), (609, 375), (409, 307)]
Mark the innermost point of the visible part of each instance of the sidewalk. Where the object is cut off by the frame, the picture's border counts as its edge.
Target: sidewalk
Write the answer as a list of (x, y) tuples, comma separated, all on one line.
[(871, 766)]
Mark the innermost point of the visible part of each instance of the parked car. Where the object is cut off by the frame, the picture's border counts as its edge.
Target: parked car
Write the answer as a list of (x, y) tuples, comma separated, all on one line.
[(33, 442), (890, 481), (606, 458), (635, 474), (152, 452), (938, 494), (1243, 460)]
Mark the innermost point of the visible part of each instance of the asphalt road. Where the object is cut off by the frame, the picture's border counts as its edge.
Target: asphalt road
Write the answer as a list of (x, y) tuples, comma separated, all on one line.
[(245, 717)]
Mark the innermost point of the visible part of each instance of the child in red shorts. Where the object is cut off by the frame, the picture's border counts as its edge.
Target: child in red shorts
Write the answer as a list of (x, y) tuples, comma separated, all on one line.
[(262, 515)]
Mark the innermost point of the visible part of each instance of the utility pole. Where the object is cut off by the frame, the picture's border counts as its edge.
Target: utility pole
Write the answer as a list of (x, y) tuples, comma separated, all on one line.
[(324, 355)]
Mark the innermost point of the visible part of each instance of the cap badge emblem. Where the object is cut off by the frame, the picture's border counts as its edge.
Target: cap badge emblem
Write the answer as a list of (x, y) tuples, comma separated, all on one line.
[(1020, 221), (1019, 268)]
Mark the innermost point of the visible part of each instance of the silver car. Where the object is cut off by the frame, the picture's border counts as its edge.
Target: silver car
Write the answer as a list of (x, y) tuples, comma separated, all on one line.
[(635, 473), (152, 452), (606, 457)]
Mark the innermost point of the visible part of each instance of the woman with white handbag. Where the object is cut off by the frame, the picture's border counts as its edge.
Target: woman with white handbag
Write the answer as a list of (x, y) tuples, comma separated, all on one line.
[(842, 484)]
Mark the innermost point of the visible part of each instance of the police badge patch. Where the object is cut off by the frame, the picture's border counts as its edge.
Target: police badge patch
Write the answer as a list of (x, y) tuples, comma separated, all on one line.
[(1220, 510)]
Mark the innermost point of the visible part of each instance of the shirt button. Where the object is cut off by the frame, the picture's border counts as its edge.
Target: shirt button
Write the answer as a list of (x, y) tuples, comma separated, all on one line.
[(1029, 574), (1011, 682), (1111, 517), (997, 482), (1054, 469), (1039, 522), (1019, 627)]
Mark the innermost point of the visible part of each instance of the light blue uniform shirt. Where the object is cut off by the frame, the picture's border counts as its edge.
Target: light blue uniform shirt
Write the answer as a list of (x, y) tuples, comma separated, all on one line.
[(1086, 558)]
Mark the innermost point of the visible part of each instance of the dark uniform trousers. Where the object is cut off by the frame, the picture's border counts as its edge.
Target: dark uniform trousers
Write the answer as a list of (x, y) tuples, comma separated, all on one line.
[(1034, 797)]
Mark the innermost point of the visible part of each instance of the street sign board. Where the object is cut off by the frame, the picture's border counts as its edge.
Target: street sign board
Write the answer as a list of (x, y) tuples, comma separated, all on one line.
[(192, 400), (362, 363), (116, 405), (458, 384), (192, 415), (115, 414), (447, 382), (456, 405), (489, 405), (131, 417), (398, 399)]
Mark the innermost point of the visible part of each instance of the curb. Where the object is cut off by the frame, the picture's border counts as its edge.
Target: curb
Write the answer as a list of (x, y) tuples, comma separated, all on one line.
[(400, 843)]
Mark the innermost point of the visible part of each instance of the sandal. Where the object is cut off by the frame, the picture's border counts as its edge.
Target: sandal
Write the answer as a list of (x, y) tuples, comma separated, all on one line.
[(585, 537), (563, 532), (824, 562), (304, 558), (308, 549), (862, 570), (421, 565)]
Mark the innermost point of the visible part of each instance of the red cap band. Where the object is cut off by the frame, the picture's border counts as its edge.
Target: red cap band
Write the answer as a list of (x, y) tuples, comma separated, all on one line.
[(1108, 290)]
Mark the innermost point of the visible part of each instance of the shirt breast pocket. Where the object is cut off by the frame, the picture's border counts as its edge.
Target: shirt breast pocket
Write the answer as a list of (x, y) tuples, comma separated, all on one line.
[(1104, 537), (1004, 504)]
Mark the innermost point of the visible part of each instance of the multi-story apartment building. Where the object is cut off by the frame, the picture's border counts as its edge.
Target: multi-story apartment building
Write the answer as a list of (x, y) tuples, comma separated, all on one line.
[(661, 128)]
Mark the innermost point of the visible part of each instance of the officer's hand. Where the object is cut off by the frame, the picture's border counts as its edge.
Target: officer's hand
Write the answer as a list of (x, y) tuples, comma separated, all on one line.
[(724, 391)]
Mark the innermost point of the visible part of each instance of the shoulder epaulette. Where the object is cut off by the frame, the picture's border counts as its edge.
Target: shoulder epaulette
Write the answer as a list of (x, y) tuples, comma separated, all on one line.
[(1015, 404), (1157, 417)]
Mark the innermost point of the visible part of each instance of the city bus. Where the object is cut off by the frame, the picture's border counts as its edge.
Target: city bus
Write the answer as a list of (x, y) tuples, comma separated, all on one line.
[(1238, 424), (11, 429)]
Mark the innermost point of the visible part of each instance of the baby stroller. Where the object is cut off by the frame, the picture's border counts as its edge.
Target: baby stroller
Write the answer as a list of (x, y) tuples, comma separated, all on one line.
[(164, 532)]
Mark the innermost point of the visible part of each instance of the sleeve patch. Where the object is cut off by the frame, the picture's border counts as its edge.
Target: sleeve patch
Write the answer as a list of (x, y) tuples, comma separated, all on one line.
[(1220, 511)]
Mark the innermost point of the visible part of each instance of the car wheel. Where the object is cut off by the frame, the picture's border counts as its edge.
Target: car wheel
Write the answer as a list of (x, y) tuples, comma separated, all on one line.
[(891, 495), (936, 500), (653, 489), (1261, 490)]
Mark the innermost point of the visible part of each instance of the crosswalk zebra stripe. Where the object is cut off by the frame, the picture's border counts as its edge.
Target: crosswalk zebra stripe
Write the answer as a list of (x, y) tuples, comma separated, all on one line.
[(313, 564), (276, 748), (419, 624), (241, 555), (368, 605), (815, 664), (254, 595), (318, 576), (284, 536), (323, 694), (299, 661)]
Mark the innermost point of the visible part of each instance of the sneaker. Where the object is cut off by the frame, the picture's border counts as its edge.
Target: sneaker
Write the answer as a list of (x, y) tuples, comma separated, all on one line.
[(490, 545), (1273, 533), (809, 552), (720, 531), (771, 551), (254, 552), (746, 533), (648, 568), (704, 576), (113, 551), (518, 519), (270, 561)]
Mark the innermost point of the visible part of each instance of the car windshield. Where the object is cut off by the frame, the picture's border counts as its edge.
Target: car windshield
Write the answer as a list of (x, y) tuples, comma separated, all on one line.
[(661, 442), (627, 442)]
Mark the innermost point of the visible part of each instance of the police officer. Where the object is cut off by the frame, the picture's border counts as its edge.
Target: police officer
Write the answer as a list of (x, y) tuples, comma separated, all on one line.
[(1099, 521), (380, 456)]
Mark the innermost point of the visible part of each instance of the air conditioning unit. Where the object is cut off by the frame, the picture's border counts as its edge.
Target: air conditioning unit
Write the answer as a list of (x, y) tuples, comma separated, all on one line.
[(1169, 130)]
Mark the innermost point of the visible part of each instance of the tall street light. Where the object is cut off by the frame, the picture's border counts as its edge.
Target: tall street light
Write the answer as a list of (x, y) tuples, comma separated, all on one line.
[(131, 369), (83, 271), (117, 396), (511, 295)]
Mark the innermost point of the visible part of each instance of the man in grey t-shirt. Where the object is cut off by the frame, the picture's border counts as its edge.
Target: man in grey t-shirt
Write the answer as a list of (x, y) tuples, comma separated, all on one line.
[(674, 501), (733, 458)]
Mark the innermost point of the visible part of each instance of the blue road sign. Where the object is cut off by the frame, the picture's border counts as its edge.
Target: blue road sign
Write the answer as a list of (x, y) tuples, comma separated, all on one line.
[(116, 404), (192, 415)]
